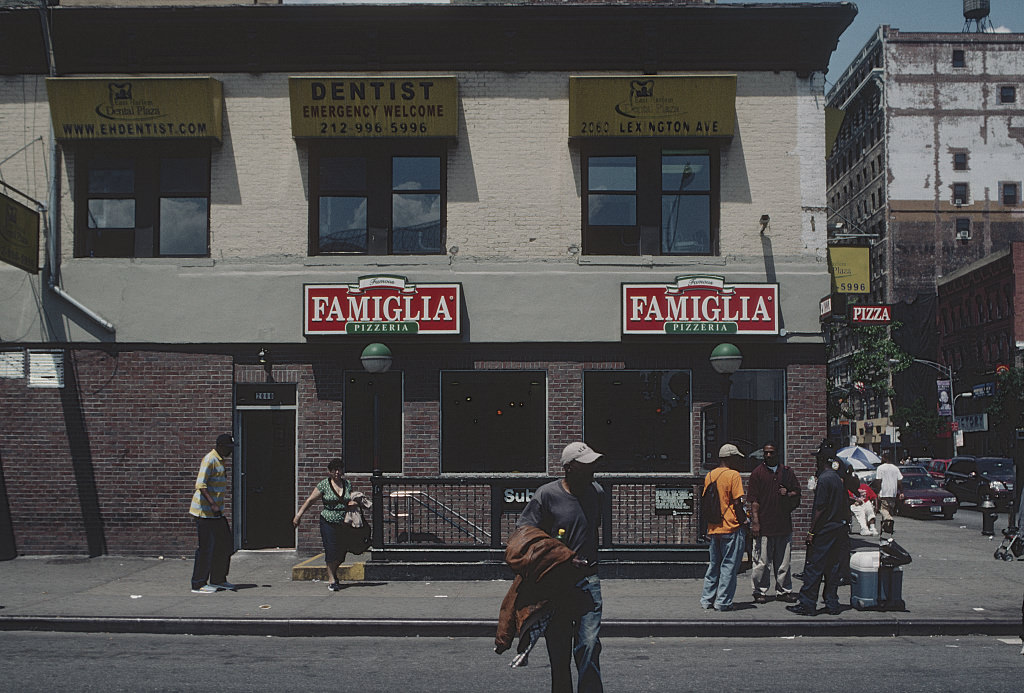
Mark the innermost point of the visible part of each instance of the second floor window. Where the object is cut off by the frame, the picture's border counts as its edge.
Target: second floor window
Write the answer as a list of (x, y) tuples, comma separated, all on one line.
[(650, 199), (143, 200), (378, 199)]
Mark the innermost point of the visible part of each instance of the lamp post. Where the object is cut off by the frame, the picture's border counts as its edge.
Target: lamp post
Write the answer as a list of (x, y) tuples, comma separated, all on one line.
[(952, 410), (726, 359), (376, 358)]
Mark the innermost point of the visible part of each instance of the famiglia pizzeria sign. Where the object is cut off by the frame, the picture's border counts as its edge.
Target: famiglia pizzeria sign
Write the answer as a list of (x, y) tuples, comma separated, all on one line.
[(700, 304), (382, 304)]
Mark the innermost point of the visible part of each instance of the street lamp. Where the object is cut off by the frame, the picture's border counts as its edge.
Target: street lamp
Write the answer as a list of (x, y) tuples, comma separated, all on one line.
[(952, 410), (726, 359), (376, 358)]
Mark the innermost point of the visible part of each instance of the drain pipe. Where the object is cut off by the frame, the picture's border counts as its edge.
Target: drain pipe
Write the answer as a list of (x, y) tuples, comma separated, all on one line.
[(51, 219)]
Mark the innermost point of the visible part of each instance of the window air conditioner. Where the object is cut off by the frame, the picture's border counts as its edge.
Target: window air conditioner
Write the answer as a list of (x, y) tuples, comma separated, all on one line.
[(958, 202), (963, 235)]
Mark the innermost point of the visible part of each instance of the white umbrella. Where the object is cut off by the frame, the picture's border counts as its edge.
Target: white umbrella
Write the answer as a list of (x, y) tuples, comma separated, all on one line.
[(858, 457)]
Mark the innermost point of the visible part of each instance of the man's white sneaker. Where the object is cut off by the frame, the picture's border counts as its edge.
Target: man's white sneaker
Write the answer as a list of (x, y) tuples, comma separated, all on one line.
[(206, 589)]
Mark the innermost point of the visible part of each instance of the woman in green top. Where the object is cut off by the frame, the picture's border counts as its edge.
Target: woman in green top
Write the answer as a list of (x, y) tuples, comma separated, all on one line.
[(335, 491)]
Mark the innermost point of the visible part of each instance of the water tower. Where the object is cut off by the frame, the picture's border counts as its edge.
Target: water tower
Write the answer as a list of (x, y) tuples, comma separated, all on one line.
[(976, 16)]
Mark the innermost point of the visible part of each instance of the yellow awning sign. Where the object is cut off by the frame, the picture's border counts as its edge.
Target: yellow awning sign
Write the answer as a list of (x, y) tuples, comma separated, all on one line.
[(833, 121), (19, 235), (131, 108), (851, 270), (646, 106), (348, 107)]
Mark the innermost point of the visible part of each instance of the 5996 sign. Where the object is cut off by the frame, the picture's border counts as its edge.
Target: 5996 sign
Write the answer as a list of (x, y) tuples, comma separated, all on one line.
[(852, 287)]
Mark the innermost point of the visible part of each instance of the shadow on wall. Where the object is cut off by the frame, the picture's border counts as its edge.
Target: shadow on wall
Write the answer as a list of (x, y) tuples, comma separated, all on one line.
[(81, 460), (7, 548)]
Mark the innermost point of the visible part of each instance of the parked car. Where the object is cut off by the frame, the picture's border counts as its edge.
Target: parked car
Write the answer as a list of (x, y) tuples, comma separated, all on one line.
[(968, 478), (922, 497), (937, 468)]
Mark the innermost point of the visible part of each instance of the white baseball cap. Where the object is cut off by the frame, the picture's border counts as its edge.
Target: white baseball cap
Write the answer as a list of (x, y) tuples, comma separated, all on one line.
[(730, 450), (580, 452)]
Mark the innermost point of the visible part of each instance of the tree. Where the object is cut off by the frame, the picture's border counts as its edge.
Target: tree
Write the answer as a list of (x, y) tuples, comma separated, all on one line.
[(918, 424), (872, 361)]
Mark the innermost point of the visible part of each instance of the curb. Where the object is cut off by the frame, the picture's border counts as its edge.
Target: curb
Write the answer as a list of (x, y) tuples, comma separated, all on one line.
[(484, 628)]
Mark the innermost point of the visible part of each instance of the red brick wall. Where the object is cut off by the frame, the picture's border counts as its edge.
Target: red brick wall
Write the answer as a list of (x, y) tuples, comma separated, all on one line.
[(107, 464)]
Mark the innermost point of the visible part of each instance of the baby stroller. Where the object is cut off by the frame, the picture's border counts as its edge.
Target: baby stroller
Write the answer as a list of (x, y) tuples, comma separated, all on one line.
[(1012, 546)]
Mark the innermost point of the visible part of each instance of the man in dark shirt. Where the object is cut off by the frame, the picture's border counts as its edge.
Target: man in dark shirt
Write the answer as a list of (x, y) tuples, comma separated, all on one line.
[(573, 504), (774, 493), (826, 542)]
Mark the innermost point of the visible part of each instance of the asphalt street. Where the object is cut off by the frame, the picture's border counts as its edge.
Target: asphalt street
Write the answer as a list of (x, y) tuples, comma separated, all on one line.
[(142, 662)]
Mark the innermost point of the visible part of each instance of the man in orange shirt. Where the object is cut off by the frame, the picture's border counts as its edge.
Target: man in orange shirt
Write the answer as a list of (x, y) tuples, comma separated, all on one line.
[(727, 537)]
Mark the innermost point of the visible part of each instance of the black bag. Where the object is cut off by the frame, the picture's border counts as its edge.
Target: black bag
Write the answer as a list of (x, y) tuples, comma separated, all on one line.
[(356, 540), (710, 506)]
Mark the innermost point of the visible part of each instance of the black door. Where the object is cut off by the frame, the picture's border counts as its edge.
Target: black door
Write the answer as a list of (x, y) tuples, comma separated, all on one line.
[(268, 479)]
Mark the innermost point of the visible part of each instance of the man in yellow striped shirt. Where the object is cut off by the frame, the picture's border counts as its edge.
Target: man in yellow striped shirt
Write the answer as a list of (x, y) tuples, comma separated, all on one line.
[(216, 544)]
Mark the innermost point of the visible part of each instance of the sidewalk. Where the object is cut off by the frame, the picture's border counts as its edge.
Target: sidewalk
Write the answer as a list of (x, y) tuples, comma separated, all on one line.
[(954, 586)]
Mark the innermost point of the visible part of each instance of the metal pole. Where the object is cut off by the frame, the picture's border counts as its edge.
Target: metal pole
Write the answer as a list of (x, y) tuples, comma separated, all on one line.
[(378, 476)]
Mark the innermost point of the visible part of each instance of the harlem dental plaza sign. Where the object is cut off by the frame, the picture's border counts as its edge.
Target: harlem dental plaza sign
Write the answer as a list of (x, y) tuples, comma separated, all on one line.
[(382, 305), (700, 305)]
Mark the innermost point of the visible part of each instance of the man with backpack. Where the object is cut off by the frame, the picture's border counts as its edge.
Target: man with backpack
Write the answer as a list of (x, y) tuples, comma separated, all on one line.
[(774, 495), (722, 507)]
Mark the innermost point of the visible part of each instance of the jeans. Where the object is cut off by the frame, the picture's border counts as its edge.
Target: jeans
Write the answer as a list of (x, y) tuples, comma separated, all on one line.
[(213, 557), (772, 553), (825, 559), (720, 579), (579, 637)]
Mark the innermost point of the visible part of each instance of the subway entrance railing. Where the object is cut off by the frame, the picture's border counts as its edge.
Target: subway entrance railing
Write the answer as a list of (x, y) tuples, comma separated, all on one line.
[(646, 517)]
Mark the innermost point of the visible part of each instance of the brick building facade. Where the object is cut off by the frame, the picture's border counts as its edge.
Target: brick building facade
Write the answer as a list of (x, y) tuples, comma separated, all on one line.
[(164, 341)]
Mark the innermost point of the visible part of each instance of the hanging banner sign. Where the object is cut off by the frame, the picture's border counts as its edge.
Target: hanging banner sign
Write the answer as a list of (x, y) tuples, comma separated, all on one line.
[(851, 270), (648, 106), (135, 108), (374, 106), (870, 315), (382, 304), (700, 304), (19, 235)]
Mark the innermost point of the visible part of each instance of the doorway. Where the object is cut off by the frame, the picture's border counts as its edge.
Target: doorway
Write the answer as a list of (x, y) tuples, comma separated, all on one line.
[(267, 478)]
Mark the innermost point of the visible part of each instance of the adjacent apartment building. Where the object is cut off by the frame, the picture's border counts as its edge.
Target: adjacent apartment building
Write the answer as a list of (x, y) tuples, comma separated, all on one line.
[(926, 173)]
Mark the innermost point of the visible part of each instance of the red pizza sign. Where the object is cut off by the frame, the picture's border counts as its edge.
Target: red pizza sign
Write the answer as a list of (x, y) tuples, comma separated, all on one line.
[(702, 304), (382, 304), (871, 315)]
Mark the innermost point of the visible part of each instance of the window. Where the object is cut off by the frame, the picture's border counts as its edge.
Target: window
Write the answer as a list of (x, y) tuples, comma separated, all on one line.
[(960, 192), (960, 161), (1010, 193), (150, 200), (359, 418), (639, 420), (1008, 94), (649, 199), (757, 410), (493, 421), (958, 59), (378, 198)]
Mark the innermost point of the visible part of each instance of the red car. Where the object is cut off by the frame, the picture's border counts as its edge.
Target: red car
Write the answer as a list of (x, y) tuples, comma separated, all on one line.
[(922, 497), (937, 468)]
